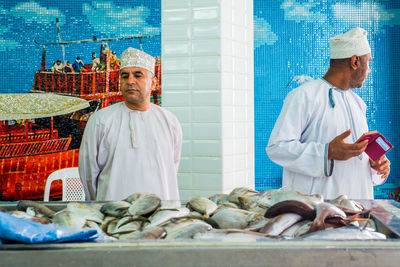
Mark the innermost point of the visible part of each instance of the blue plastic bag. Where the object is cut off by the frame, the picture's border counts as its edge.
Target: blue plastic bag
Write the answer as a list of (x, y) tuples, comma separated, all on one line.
[(21, 230)]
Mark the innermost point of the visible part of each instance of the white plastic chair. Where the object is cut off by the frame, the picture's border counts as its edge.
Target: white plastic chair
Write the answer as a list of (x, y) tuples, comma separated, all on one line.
[(72, 187)]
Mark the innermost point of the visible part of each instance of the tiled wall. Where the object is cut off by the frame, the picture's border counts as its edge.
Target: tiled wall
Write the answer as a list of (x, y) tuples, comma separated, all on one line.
[(207, 55)]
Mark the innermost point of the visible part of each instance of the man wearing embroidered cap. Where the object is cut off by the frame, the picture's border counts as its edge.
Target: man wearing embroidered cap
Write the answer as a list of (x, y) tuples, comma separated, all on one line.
[(315, 136), (133, 146)]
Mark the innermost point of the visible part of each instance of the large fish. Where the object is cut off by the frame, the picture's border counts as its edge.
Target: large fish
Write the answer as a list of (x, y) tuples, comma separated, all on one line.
[(347, 205), (234, 218), (24, 204), (115, 208), (280, 223), (202, 205), (188, 230), (144, 205), (67, 218), (86, 212), (326, 211), (163, 216), (301, 208), (240, 192), (155, 232)]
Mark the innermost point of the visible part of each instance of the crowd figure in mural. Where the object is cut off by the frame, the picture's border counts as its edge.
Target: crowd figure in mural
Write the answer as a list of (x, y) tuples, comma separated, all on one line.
[(98, 64)]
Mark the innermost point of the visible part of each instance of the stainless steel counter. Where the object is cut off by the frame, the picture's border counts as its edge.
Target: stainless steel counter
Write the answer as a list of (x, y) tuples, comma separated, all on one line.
[(206, 253)]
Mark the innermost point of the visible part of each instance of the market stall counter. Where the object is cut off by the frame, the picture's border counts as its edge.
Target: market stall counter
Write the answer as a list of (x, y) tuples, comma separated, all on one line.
[(218, 251)]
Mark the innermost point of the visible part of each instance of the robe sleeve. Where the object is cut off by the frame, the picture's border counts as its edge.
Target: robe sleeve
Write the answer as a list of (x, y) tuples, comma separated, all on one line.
[(88, 166), (377, 178), (177, 135), (285, 146)]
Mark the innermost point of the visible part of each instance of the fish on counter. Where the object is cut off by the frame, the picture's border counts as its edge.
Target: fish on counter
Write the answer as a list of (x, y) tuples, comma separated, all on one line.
[(243, 214)]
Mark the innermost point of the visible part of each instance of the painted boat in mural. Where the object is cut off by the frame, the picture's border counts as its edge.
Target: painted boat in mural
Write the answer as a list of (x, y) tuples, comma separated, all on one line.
[(30, 152)]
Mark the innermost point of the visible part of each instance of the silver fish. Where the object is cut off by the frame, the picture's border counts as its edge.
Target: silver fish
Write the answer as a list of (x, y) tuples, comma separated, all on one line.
[(280, 223), (297, 229), (155, 232), (86, 212), (348, 204), (144, 205), (162, 216), (240, 192), (188, 230), (67, 218), (202, 205), (219, 198), (133, 197), (234, 218), (129, 227), (115, 208)]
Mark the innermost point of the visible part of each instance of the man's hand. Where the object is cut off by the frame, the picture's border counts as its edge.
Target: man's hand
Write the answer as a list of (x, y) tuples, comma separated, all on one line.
[(382, 166), (339, 150)]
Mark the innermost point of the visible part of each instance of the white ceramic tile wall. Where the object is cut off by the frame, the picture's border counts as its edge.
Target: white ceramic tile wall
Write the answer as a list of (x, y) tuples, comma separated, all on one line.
[(207, 81)]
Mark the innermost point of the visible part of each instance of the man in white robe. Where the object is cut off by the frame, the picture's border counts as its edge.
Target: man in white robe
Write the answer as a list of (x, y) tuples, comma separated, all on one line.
[(132, 146), (315, 136)]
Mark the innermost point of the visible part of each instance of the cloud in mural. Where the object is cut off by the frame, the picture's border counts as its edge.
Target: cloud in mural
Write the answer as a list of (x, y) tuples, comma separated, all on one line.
[(367, 15), (302, 11), (6, 44), (115, 21), (32, 12), (263, 33)]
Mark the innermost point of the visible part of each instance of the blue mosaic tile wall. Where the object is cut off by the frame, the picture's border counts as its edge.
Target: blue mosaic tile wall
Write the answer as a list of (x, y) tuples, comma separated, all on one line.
[(24, 22), (291, 38)]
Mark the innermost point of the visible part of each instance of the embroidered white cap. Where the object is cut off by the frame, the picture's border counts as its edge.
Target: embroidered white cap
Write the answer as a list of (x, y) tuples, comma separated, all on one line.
[(353, 42), (132, 57)]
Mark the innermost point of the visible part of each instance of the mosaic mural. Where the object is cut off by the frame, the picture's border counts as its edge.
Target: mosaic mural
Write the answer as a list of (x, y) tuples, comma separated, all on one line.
[(291, 42), (67, 48)]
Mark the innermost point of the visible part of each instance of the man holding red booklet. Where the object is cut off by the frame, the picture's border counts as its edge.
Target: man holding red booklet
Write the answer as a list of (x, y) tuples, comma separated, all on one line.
[(316, 138)]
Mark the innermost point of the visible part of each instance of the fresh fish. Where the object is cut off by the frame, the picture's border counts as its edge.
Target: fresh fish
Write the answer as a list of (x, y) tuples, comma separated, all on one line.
[(297, 229), (115, 208), (155, 232), (133, 197), (325, 211), (111, 226), (347, 205), (86, 212), (345, 233), (219, 199), (280, 223), (188, 230), (229, 205), (67, 218), (202, 205), (162, 216), (240, 192), (303, 209), (24, 204), (277, 196), (31, 211), (106, 221), (257, 224), (128, 227), (234, 218), (144, 205)]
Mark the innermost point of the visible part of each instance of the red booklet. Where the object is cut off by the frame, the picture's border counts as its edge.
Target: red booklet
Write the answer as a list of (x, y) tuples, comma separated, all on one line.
[(377, 144)]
